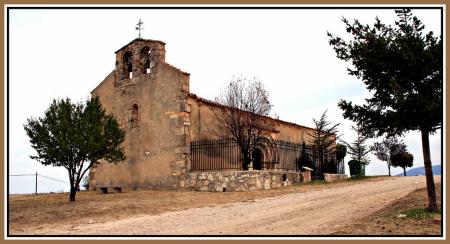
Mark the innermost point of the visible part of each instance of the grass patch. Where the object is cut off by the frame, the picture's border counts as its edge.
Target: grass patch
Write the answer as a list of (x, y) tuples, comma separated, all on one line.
[(420, 213)]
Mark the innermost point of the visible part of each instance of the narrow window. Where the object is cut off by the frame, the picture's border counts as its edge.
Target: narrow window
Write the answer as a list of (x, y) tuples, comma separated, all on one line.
[(134, 116)]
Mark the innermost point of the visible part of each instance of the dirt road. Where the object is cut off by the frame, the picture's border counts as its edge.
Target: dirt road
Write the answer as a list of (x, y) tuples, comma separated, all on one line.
[(318, 212)]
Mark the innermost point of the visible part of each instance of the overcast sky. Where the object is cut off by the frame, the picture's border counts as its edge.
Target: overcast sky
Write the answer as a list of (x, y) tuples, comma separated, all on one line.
[(67, 53)]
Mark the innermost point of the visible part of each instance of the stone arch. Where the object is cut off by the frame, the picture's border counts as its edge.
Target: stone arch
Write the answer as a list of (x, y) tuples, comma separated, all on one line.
[(145, 60), (145, 51), (127, 64), (269, 152)]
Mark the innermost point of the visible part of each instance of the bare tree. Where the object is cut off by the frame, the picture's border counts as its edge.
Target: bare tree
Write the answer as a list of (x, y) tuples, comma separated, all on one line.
[(323, 139), (388, 147), (243, 114)]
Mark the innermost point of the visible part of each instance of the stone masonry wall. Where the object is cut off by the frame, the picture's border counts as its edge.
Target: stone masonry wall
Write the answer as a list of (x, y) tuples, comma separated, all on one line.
[(334, 177), (157, 130), (239, 180)]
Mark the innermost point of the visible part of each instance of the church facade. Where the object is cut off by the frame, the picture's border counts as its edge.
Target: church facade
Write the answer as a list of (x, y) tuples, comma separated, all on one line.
[(162, 119)]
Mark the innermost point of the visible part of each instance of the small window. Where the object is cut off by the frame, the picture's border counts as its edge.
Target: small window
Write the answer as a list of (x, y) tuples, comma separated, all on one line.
[(134, 119)]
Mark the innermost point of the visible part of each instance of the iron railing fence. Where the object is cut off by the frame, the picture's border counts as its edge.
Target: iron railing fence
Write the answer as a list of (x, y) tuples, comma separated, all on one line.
[(287, 155), (225, 154), (211, 155), (341, 167)]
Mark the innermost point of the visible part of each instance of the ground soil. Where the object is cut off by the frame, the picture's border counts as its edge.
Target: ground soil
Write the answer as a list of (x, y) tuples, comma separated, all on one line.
[(319, 209), (390, 220)]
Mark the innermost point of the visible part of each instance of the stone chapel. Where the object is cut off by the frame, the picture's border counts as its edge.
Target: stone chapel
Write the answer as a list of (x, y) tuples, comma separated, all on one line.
[(161, 117)]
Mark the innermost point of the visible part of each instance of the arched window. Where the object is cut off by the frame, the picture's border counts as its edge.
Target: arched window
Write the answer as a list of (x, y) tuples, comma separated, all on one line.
[(134, 119), (127, 65), (145, 52), (145, 59)]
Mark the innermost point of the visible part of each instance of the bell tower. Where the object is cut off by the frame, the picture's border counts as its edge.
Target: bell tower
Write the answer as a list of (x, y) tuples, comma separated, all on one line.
[(138, 58), (148, 97)]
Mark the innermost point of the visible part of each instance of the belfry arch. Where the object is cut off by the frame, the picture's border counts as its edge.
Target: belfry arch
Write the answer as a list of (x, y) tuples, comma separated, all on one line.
[(127, 60), (145, 60)]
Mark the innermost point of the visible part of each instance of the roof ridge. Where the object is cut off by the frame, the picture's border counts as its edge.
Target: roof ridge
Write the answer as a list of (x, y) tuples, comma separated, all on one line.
[(139, 39), (221, 105), (172, 66)]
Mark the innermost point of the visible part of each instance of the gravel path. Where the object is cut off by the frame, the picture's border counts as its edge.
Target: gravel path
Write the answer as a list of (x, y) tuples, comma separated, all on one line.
[(317, 212)]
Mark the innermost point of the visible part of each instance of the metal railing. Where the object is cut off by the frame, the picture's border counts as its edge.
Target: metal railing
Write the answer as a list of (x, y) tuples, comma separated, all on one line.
[(225, 154), (211, 155), (287, 155)]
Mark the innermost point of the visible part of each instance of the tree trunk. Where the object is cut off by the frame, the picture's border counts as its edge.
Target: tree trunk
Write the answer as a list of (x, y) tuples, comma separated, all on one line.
[(73, 191), (404, 171), (432, 206), (389, 169)]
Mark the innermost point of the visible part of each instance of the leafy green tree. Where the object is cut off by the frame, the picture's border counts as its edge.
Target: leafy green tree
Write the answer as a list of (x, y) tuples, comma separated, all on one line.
[(403, 159), (341, 152), (323, 139), (388, 147), (356, 168), (403, 67), (75, 136), (358, 148)]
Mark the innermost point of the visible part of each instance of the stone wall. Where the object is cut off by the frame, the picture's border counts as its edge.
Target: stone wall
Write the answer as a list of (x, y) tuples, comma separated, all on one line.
[(334, 177), (239, 180)]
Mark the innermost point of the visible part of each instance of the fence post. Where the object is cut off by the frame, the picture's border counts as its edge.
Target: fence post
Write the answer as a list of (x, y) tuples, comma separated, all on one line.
[(36, 183)]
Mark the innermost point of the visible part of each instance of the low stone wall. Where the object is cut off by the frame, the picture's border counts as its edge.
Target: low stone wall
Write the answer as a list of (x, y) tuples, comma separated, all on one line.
[(334, 177), (239, 180)]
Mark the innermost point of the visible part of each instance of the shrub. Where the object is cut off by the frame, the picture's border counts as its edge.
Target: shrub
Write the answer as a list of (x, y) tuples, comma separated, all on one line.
[(356, 168)]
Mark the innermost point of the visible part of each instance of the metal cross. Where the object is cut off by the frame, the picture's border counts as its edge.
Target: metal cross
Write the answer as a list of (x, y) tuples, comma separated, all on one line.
[(139, 27)]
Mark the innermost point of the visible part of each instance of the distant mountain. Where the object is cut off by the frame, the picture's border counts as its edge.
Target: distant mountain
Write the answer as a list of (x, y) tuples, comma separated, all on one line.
[(421, 171)]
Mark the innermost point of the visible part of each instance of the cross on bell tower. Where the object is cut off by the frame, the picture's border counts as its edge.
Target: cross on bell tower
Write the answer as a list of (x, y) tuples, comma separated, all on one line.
[(139, 27)]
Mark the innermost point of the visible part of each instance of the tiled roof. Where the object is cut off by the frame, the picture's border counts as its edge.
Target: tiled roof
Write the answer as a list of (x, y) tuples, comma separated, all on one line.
[(203, 100)]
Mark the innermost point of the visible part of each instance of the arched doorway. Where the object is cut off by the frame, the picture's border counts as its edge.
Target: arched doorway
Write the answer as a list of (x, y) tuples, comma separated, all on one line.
[(257, 159)]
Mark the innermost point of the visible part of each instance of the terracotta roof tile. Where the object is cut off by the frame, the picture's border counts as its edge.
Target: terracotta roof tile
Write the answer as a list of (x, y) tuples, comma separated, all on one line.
[(203, 100)]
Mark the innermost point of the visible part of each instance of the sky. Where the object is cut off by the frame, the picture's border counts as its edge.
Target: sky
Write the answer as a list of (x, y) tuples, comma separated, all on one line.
[(67, 53)]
